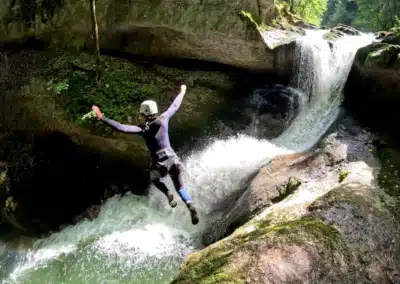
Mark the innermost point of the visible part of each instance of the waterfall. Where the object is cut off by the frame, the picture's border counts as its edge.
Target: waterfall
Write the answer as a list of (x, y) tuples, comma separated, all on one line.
[(143, 240)]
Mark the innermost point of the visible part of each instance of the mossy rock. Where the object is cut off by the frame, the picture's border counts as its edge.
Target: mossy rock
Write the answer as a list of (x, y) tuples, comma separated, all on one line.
[(202, 30), (253, 253), (341, 233), (384, 57)]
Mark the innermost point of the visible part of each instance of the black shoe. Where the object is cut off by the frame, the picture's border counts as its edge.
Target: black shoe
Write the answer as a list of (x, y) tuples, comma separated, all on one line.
[(193, 213), (171, 200)]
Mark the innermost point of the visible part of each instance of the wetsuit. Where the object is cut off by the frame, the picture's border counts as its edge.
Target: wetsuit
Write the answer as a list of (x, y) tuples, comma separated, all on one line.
[(164, 159)]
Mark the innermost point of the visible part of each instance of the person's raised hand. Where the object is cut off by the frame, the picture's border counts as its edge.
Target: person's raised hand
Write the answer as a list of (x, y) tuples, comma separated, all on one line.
[(183, 89), (97, 111)]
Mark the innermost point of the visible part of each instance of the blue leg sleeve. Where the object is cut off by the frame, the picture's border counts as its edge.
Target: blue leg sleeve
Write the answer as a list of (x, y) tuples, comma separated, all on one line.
[(184, 195)]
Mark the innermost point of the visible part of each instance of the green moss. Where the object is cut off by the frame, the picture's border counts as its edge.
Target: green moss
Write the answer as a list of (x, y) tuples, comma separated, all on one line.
[(296, 231), (124, 85), (343, 175), (383, 57), (329, 36), (213, 264), (213, 269), (287, 189), (257, 21)]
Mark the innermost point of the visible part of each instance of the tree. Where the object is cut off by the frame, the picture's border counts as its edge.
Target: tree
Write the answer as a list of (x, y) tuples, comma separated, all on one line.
[(95, 31), (344, 13), (309, 10), (377, 14)]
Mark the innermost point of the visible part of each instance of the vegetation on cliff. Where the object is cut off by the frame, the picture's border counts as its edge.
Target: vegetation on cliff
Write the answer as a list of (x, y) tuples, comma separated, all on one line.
[(368, 15)]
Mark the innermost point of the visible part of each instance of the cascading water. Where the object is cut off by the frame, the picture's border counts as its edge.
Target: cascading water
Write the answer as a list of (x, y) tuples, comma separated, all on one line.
[(142, 240)]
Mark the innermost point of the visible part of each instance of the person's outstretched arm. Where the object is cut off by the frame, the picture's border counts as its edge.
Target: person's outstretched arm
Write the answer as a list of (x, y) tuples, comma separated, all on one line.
[(175, 104), (120, 127)]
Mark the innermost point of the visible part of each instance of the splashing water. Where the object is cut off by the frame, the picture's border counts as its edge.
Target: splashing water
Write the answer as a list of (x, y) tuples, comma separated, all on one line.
[(320, 72), (142, 240)]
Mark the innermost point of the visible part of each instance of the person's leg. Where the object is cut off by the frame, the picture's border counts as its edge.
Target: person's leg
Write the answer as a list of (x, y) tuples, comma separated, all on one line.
[(177, 178), (158, 180)]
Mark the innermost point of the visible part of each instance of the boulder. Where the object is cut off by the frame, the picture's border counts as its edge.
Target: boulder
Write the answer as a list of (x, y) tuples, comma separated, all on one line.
[(388, 37), (346, 236), (373, 86), (267, 111), (339, 31), (349, 233)]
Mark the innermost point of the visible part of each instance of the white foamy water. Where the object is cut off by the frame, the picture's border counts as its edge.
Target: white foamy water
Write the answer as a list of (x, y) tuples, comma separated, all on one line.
[(320, 72), (141, 240)]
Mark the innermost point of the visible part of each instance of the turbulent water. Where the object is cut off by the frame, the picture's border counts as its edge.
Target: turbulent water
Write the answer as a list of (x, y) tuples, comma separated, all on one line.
[(142, 240)]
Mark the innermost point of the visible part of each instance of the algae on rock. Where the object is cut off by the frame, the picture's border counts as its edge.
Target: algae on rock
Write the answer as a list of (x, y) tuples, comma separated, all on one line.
[(322, 246)]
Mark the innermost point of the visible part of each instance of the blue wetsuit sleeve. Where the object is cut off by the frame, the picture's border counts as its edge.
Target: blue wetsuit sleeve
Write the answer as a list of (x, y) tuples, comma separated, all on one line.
[(122, 127), (174, 106)]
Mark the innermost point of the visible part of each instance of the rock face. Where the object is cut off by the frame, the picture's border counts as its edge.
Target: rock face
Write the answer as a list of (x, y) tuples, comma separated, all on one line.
[(202, 30), (348, 233), (284, 174), (373, 86), (346, 236), (267, 111)]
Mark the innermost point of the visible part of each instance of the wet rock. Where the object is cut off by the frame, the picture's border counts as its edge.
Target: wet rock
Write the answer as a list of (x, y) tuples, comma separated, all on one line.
[(375, 80), (285, 174), (345, 236), (345, 30), (271, 110), (340, 31), (388, 37)]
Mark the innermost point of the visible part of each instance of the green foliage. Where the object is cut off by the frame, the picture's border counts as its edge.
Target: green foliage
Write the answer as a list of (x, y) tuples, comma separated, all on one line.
[(310, 10), (340, 12), (58, 87), (118, 93), (377, 14), (89, 115), (396, 28)]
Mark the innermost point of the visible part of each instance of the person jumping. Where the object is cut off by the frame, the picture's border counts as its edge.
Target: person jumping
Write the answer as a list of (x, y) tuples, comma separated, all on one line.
[(164, 159)]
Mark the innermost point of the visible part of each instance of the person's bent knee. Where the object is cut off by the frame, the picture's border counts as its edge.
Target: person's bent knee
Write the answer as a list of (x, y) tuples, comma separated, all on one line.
[(155, 177)]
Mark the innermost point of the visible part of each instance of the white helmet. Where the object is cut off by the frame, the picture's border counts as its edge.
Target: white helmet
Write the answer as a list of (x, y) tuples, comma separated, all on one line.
[(148, 108)]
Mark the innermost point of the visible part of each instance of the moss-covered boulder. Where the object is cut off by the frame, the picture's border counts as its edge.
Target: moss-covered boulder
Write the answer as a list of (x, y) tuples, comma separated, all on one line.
[(203, 30), (346, 236), (382, 56), (373, 86)]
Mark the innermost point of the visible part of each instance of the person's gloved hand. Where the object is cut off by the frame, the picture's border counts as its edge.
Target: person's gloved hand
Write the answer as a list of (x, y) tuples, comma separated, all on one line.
[(98, 112), (183, 89)]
